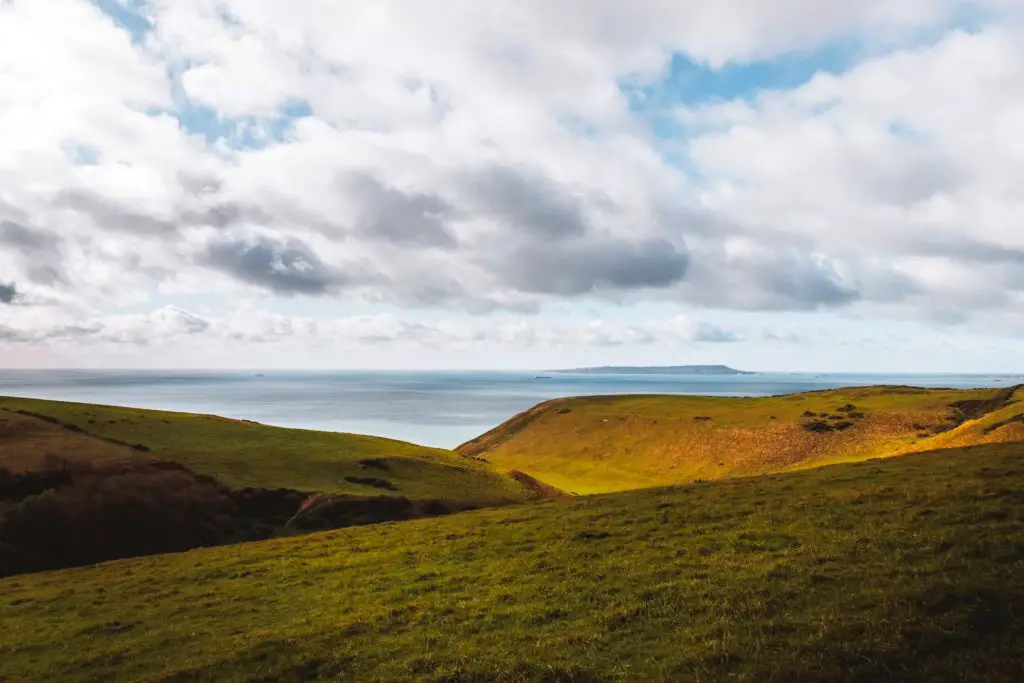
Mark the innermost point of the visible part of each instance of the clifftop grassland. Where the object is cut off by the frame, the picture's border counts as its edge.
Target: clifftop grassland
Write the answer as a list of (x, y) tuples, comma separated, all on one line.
[(238, 453), (838, 562), (614, 443)]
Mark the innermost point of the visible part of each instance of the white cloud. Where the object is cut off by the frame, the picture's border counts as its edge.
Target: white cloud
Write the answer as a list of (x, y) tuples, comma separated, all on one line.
[(484, 158), (172, 326)]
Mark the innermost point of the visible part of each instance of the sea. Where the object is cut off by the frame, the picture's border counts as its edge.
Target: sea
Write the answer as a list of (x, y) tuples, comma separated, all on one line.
[(434, 408)]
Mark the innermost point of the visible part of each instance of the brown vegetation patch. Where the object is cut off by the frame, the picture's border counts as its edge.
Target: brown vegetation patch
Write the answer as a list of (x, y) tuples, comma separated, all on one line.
[(976, 408)]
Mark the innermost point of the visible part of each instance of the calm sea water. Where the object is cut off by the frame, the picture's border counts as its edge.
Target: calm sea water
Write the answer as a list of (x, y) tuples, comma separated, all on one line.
[(433, 408)]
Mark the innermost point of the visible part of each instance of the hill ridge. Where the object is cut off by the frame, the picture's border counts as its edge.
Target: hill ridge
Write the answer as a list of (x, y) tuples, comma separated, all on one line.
[(609, 443)]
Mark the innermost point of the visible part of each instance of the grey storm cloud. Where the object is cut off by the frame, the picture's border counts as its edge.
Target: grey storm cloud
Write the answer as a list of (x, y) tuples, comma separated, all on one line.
[(27, 239), (768, 280), (528, 201), (579, 267), (284, 267), (389, 214), (811, 285), (8, 292), (39, 250)]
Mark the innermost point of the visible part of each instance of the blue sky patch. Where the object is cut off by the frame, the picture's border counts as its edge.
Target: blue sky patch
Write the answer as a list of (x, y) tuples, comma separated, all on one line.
[(128, 14), (248, 132)]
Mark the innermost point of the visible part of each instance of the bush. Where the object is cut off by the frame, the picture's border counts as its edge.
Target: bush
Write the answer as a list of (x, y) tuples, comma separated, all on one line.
[(104, 516)]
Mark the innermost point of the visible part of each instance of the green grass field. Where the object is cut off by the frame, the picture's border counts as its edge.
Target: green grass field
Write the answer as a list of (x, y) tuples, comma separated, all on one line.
[(613, 443), (239, 453), (903, 569)]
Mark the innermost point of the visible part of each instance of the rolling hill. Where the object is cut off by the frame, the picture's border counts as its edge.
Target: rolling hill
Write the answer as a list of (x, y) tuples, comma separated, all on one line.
[(902, 569), (81, 484), (614, 443), (239, 453)]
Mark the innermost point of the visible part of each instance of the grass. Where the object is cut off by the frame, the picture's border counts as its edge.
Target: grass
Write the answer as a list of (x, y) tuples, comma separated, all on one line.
[(240, 453), (904, 569), (614, 443)]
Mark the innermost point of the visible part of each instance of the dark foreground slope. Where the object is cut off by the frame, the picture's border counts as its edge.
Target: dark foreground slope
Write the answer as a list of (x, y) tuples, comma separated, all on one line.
[(904, 569)]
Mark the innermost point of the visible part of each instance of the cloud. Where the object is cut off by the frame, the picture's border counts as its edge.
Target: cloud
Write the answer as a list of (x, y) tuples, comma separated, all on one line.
[(749, 276), (39, 251), (8, 293), (582, 267), (107, 214), (527, 202), (504, 159), (386, 213), (25, 239), (287, 268), (170, 325), (159, 326)]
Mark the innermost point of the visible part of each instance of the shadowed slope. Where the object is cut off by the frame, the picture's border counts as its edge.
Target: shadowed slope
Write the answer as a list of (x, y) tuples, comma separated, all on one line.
[(612, 443), (908, 569)]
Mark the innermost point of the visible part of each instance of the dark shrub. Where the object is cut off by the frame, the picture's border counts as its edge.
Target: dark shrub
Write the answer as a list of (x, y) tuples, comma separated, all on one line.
[(435, 507), (372, 481), (104, 516), (817, 426), (374, 463)]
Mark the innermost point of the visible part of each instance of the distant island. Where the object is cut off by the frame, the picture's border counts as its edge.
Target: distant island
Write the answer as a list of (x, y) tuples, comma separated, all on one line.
[(659, 370)]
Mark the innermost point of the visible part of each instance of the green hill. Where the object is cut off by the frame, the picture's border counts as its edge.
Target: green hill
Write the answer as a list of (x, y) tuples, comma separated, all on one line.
[(81, 484), (904, 569), (614, 443), (238, 453)]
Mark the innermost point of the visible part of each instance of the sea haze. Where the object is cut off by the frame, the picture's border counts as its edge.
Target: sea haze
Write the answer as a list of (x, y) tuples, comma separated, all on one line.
[(432, 408)]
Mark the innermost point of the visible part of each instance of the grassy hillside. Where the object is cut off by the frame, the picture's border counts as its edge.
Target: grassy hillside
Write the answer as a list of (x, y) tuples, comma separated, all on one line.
[(908, 569), (240, 453), (614, 443)]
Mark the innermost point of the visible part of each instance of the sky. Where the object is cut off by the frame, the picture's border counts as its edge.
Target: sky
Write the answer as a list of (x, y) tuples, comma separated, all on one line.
[(816, 185)]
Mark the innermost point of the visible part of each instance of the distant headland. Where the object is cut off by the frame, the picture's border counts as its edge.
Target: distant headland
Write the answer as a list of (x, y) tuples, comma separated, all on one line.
[(659, 370)]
